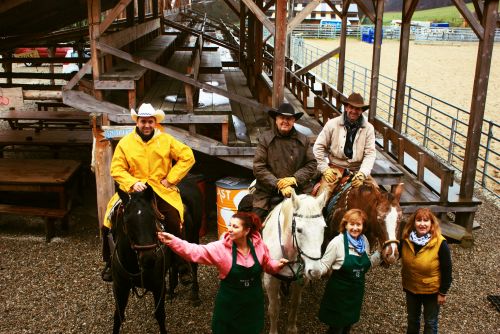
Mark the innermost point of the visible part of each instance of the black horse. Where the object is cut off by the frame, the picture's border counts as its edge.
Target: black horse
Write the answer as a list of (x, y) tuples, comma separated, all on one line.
[(192, 200), (139, 259)]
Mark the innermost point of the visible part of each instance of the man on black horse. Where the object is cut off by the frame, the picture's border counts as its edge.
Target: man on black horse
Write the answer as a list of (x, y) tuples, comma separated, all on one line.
[(346, 144), (148, 156), (283, 160)]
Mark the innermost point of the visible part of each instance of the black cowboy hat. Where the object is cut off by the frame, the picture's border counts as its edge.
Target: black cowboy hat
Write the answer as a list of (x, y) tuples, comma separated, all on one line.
[(285, 109), (356, 100)]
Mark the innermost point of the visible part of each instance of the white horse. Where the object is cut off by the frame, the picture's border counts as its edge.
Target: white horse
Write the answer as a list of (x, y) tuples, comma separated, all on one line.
[(294, 230)]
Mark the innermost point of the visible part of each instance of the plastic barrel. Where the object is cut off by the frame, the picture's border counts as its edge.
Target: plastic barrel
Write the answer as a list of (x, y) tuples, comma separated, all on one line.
[(230, 191)]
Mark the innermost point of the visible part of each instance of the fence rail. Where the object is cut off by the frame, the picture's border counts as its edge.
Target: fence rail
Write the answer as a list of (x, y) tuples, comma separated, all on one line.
[(435, 124), (451, 34)]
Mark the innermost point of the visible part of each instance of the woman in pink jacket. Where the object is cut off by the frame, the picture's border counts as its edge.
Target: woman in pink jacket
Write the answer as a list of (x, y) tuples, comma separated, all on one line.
[(240, 256)]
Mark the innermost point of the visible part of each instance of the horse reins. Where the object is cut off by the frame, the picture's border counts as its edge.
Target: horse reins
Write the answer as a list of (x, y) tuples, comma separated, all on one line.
[(296, 275)]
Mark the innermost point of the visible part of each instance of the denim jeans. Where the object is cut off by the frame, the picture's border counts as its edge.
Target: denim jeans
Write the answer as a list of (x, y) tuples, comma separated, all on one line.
[(414, 305)]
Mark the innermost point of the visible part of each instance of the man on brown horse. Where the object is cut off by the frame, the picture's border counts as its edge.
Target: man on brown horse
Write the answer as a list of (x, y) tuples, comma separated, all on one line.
[(146, 157), (346, 144), (283, 159)]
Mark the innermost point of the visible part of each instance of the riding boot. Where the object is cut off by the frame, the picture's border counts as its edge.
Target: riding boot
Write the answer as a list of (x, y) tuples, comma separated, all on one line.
[(107, 245)]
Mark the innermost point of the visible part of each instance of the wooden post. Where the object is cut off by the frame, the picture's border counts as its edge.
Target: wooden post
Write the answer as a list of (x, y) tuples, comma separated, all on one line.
[(103, 154), (51, 50), (242, 36), (377, 47), (94, 19), (343, 43), (162, 10), (404, 42), (259, 45), (141, 10), (279, 53), (480, 88), (7, 66), (130, 14)]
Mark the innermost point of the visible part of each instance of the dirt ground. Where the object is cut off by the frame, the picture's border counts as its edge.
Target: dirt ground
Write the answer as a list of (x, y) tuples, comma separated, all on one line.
[(445, 71), (56, 288)]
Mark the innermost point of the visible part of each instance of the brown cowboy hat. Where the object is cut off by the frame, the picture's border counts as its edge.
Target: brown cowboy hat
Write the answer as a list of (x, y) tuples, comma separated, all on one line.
[(356, 100), (285, 109)]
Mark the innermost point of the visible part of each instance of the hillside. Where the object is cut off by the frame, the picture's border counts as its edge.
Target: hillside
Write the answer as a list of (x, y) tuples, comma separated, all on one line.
[(444, 14), (396, 5)]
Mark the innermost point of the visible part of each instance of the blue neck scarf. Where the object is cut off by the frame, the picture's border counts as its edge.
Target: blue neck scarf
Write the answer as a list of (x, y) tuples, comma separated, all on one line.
[(421, 241), (358, 244)]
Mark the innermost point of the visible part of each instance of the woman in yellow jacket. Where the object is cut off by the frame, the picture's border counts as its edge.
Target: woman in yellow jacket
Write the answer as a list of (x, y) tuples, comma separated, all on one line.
[(426, 270), (144, 157)]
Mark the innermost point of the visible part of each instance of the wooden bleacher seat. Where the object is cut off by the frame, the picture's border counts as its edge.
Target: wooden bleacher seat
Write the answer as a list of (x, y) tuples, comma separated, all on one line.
[(133, 77)]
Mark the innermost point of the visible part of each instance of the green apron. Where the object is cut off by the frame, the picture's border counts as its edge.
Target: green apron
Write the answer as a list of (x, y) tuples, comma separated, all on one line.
[(341, 304), (239, 305)]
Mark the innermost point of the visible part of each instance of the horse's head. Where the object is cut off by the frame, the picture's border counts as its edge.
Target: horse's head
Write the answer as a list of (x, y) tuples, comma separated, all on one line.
[(389, 216), (308, 228), (139, 224)]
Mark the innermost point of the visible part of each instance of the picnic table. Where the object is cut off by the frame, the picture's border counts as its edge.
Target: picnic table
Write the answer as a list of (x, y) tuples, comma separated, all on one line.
[(19, 120), (39, 176), (53, 139)]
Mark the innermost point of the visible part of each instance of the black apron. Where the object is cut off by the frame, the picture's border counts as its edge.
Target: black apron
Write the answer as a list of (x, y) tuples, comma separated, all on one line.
[(341, 303), (239, 305)]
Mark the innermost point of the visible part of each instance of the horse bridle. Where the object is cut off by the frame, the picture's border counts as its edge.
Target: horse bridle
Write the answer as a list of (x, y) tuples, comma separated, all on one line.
[(296, 275)]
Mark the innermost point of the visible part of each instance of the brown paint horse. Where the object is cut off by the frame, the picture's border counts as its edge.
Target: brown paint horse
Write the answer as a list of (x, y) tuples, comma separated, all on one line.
[(384, 216)]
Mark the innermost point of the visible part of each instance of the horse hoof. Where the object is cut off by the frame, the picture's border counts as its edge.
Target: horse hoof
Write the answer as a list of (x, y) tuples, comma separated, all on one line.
[(196, 302)]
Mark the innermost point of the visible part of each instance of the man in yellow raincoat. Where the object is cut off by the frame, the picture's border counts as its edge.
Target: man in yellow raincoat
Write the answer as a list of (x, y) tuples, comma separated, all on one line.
[(146, 155)]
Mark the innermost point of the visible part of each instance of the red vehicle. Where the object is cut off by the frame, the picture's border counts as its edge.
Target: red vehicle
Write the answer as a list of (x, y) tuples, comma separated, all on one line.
[(39, 53)]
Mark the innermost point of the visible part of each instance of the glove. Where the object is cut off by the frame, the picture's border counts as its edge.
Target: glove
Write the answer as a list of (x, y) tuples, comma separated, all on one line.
[(332, 175), (286, 182), (287, 191), (358, 179)]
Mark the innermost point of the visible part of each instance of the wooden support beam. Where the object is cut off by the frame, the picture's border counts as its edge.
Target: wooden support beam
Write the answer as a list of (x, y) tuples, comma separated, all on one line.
[(261, 16), (318, 61), (113, 14), (94, 19), (478, 8), (302, 15), (180, 76), (469, 17), (404, 43), (377, 48), (370, 12), (103, 153), (279, 53), (409, 7), (268, 5), (480, 88), (343, 45), (233, 7), (78, 76), (332, 6)]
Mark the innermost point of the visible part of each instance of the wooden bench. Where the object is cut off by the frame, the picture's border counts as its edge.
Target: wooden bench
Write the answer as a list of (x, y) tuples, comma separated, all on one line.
[(45, 105), (19, 120), (54, 139), (39, 176), (132, 77)]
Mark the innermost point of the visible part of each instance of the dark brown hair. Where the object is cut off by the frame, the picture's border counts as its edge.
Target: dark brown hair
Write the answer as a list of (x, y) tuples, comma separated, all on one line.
[(422, 213), (249, 220), (353, 215)]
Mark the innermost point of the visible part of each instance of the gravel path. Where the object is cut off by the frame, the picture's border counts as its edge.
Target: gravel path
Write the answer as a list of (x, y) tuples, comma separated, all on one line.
[(56, 287)]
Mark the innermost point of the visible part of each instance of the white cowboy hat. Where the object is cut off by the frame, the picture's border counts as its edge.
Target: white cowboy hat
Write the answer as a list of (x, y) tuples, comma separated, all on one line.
[(147, 110)]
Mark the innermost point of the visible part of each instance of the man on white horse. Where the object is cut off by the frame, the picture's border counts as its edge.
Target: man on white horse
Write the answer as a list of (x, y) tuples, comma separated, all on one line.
[(346, 144), (148, 156), (283, 159)]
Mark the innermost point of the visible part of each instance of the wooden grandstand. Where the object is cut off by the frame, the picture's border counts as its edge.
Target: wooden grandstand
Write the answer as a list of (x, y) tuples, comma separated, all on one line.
[(216, 81)]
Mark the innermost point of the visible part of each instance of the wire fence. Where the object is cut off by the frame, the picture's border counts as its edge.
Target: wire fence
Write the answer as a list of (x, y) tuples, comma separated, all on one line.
[(437, 125), (419, 34)]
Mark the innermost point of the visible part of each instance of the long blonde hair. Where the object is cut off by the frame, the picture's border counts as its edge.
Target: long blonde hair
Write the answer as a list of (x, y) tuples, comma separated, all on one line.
[(422, 213)]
